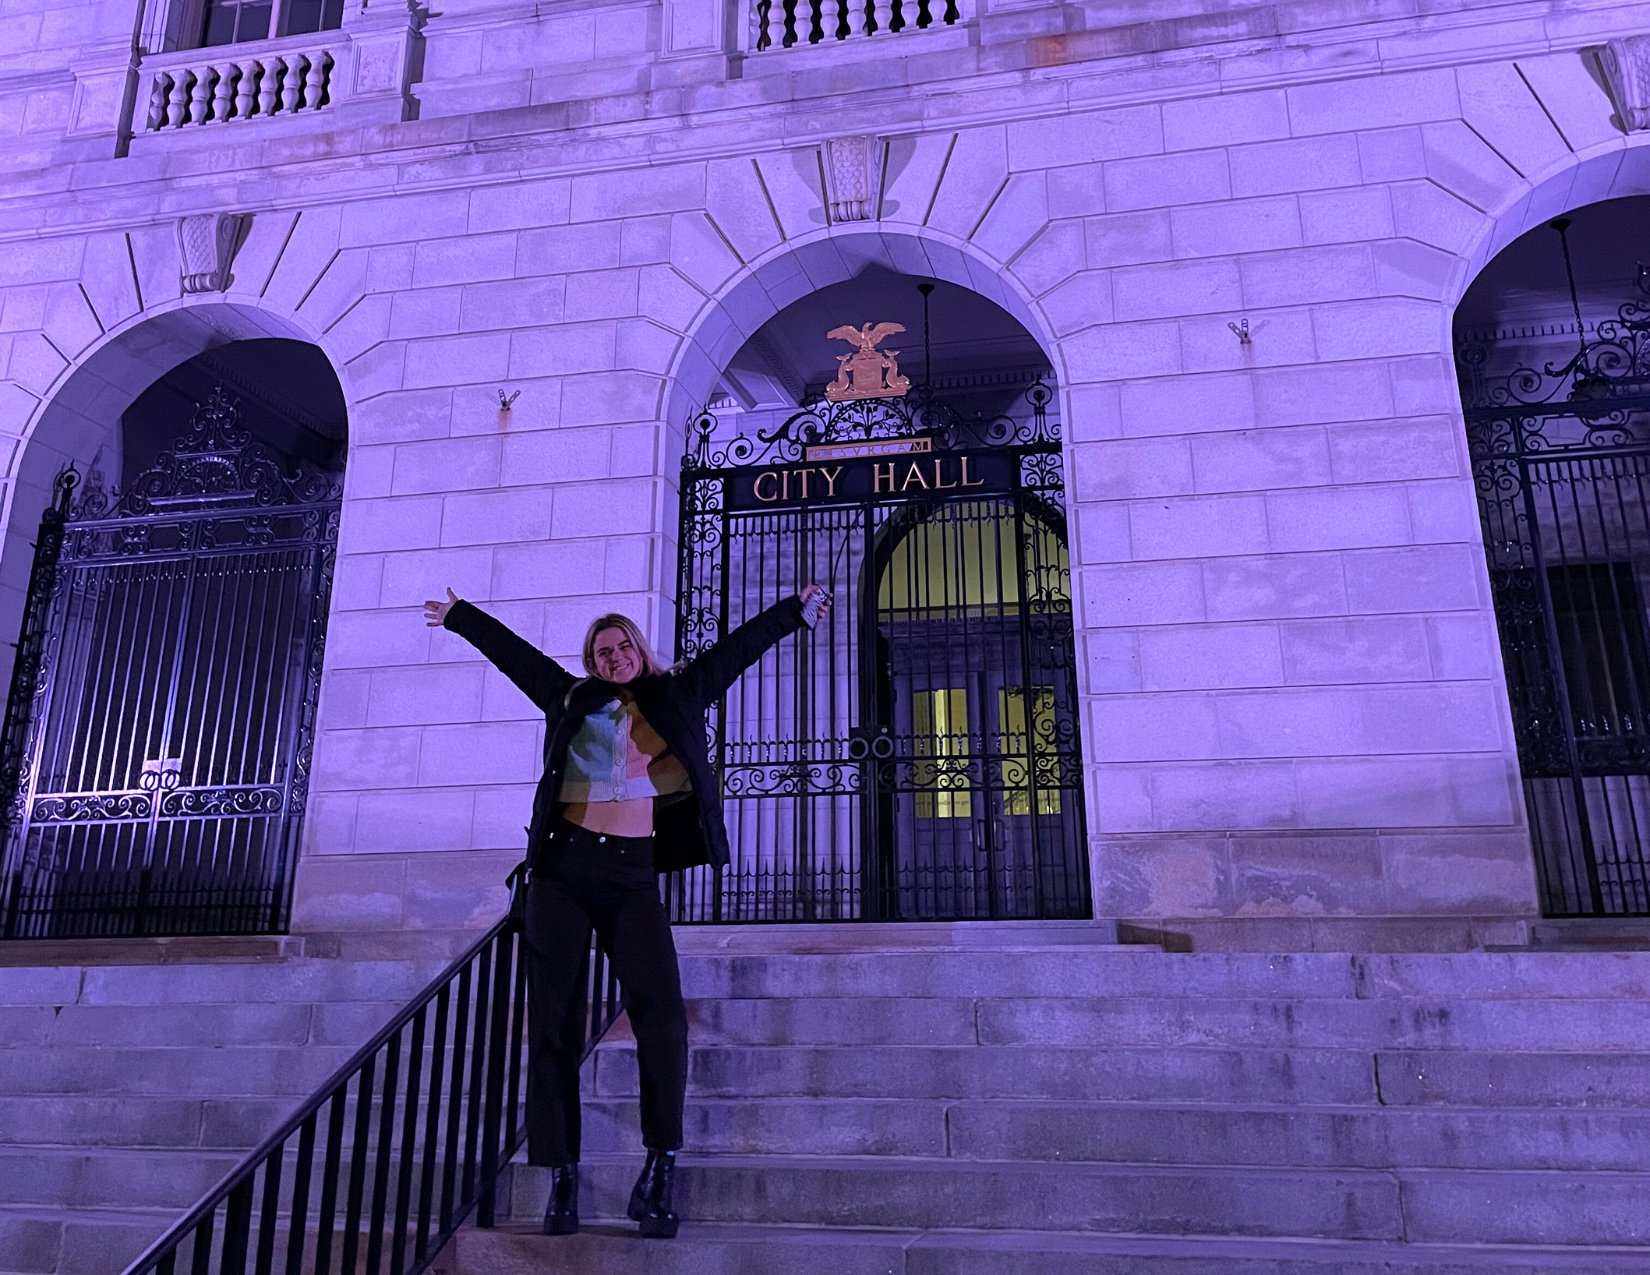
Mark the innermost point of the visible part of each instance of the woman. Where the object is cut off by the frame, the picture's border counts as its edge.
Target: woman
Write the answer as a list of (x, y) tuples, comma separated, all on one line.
[(627, 792)]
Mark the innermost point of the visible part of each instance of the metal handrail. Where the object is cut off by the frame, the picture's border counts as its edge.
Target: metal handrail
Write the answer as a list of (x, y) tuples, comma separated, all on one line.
[(435, 1156)]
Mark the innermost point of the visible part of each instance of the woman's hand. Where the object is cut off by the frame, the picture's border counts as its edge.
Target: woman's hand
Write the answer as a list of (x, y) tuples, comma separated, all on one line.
[(435, 613), (814, 613)]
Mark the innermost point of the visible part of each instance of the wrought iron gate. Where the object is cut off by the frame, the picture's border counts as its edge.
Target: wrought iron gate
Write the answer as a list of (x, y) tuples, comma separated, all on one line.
[(1561, 458), (916, 757), (157, 736)]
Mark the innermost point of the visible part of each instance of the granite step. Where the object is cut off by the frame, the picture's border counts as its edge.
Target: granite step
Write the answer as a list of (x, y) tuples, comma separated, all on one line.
[(281, 982), (1461, 1077), (706, 1248), (1145, 972), (295, 1023), (178, 1071), (1597, 1025), (39, 1240), (989, 1071), (1076, 1132), (1448, 1206), (94, 1177), (139, 1120)]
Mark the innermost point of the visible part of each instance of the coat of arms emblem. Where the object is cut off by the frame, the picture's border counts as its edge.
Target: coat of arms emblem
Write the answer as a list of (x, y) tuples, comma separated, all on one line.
[(867, 372)]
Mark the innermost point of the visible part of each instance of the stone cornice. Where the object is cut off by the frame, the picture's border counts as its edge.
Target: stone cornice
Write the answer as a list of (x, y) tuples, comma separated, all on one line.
[(168, 176)]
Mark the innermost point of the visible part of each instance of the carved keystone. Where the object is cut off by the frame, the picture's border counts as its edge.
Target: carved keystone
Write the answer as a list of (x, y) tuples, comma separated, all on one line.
[(206, 246), (852, 177), (1626, 65)]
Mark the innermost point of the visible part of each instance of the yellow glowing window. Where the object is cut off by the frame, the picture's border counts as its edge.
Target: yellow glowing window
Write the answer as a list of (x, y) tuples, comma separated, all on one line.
[(940, 723), (1017, 748), (965, 562)]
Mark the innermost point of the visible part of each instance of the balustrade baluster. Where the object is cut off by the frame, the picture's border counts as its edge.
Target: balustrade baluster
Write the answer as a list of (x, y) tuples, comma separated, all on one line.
[(245, 88), (830, 20), (200, 102), (856, 18), (884, 15), (158, 92), (315, 81), (292, 81), (224, 95), (269, 74), (178, 108)]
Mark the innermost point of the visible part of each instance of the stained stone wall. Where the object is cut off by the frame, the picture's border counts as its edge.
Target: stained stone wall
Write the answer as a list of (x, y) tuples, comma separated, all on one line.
[(1294, 708)]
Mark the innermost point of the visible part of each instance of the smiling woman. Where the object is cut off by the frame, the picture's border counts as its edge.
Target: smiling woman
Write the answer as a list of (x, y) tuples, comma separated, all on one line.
[(627, 792)]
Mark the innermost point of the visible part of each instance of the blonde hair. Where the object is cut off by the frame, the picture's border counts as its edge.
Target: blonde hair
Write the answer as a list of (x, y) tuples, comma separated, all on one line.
[(651, 665)]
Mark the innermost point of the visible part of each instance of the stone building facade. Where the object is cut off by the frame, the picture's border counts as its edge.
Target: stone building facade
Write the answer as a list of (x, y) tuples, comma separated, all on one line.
[(1237, 231)]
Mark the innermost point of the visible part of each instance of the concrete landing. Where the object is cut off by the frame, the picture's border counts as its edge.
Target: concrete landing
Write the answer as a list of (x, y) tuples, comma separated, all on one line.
[(612, 1248)]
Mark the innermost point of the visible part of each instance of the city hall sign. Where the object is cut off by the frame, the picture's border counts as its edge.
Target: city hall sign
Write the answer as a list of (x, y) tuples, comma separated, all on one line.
[(842, 473), (858, 470)]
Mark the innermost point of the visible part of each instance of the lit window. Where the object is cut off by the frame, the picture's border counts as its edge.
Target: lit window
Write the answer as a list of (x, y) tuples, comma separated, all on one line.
[(961, 563), (940, 723), (1025, 757)]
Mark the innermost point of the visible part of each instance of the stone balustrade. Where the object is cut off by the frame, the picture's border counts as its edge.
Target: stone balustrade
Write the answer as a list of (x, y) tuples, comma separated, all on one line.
[(784, 24), (274, 78)]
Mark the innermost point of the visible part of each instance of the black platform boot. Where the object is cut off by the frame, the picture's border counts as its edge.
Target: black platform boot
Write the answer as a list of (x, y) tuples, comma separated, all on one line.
[(561, 1215), (650, 1203)]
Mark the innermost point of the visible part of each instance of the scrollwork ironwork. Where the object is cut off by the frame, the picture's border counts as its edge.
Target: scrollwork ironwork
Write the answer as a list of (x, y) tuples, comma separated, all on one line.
[(90, 807), (1596, 398), (919, 413), (216, 462), (234, 801)]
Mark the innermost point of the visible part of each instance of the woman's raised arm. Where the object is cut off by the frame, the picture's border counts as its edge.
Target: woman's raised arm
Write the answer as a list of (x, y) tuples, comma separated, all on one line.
[(538, 676), (708, 675)]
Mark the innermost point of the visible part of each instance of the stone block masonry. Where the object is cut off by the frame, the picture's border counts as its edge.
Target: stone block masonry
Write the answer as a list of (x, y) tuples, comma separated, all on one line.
[(1293, 708)]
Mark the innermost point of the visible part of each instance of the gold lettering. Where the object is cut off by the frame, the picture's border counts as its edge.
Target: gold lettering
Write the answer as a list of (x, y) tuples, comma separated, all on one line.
[(785, 485), (978, 482), (937, 481), (803, 474), (756, 487), (916, 474), (830, 476), (877, 476)]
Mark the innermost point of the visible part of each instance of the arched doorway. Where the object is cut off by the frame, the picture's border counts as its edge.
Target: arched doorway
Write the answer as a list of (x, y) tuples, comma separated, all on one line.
[(1553, 351), (158, 731), (973, 641), (916, 757)]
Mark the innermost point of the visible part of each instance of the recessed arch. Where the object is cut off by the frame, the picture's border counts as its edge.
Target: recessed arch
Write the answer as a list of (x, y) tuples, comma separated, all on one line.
[(1548, 338), (176, 646), (1606, 172), (799, 266), (78, 419)]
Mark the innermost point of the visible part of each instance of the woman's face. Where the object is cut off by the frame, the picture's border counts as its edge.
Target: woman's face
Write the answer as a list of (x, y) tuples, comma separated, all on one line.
[(617, 659)]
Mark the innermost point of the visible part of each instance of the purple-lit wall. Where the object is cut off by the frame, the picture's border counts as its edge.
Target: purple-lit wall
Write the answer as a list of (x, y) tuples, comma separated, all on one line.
[(1294, 701)]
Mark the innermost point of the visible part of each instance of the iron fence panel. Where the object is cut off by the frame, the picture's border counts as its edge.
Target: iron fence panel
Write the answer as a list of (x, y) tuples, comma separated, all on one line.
[(158, 736), (916, 756), (1561, 460)]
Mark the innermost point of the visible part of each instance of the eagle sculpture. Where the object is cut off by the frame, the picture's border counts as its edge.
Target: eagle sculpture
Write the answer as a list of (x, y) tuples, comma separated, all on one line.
[(867, 335), (868, 372)]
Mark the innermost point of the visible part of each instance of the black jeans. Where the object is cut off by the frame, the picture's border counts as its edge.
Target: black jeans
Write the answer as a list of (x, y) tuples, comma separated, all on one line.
[(607, 883)]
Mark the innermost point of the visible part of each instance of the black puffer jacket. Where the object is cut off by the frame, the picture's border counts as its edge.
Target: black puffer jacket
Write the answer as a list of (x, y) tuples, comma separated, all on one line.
[(686, 833)]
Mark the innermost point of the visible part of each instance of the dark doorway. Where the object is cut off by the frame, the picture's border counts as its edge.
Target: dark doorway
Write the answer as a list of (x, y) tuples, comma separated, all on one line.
[(1553, 350), (158, 732)]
